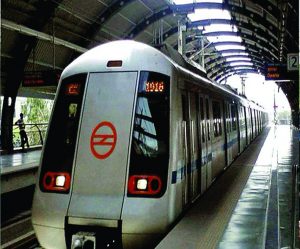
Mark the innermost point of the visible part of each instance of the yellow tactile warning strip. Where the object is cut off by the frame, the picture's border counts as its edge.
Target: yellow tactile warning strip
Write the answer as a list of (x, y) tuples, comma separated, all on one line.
[(203, 225)]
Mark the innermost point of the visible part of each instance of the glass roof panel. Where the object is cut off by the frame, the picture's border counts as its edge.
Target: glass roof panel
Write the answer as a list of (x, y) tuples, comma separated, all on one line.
[(204, 14), (243, 67), (210, 14), (225, 47), (229, 53), (233, 64), (238, 59), (219, 27), (198, 1), (224, 38), (209, 1)]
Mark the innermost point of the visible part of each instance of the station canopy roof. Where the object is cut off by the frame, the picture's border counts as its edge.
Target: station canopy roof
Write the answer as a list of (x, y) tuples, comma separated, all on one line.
[(233, 36)]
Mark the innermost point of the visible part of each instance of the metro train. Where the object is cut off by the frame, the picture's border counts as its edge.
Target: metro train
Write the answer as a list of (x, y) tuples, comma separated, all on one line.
[(136, 135)]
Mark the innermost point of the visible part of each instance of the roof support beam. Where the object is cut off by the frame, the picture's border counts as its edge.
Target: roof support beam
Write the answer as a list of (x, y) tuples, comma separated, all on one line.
[(232, 71), (148, 21), (221, 71), (112, 9), (210, 66), (40, 35)]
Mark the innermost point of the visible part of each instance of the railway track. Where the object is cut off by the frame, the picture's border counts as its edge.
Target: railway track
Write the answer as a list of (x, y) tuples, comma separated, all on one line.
[(17, 232)]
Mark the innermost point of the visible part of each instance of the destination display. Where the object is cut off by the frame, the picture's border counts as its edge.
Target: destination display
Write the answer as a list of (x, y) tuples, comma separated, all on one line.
[(155, 86)]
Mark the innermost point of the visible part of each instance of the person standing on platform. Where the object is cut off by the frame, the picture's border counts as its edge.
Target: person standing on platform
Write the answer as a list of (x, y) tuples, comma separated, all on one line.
[(23, 135)]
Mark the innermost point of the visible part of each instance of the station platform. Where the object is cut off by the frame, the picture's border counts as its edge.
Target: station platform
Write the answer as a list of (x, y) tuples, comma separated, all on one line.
[(19, 161), (19, 170), (251, 205)]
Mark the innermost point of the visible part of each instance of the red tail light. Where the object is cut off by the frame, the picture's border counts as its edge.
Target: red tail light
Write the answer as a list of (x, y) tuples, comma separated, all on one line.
[(144, 185), (57, 181)]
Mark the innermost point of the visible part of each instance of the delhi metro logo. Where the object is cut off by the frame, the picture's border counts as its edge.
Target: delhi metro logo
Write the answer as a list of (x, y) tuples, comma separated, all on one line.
[(103, 140)]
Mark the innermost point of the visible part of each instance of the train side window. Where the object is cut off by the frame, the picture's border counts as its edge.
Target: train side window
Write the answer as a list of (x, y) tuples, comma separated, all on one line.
[(217, 118)]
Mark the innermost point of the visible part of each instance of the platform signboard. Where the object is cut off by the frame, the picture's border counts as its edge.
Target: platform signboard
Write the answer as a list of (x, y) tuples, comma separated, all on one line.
[(292, 62), (280, 72), (275, 72), (41, 78)]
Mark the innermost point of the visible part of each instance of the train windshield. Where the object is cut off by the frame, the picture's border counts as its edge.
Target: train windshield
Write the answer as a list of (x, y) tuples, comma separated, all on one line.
[(61, 139), (150, 138)]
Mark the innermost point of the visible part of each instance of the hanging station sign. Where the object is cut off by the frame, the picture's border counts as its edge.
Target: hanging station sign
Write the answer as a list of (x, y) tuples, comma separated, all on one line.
[(41, 78), (275, 72), (282, 72)]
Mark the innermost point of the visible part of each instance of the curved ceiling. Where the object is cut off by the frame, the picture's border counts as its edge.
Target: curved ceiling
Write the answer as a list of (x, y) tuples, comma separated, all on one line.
[(42, 35)]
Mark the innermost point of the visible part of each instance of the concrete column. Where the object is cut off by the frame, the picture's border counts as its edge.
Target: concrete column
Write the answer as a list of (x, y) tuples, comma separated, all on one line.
[(6, 123)]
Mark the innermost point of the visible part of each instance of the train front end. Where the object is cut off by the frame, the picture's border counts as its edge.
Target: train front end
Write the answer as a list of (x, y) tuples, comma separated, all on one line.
[(104, 169)]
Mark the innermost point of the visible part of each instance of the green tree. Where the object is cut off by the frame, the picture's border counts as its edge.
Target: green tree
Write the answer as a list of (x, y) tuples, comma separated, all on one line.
[(37, 111)]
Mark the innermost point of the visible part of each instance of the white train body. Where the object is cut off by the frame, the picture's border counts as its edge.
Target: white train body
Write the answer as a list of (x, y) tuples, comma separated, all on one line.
[(134, 138)]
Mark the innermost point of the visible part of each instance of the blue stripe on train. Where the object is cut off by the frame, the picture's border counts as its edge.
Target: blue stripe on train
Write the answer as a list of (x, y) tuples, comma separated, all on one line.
[(178, 174)]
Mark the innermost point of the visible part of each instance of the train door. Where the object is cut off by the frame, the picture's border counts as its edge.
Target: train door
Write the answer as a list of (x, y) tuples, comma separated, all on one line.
[(234, 143), (252, 123), (208, 110), (190, 146), (194, 152), (228, 133), (205, 138), (246, 125), (242, 128), (249, 126), (187, 191), (101, 161)]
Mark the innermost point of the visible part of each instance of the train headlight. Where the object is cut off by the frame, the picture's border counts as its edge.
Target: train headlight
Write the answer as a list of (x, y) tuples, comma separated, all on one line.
[(77, 243), (56, 181), (144, 185), (60, 181), (141, 184)]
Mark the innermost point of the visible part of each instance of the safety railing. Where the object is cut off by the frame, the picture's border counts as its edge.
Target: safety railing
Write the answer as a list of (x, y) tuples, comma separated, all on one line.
[(35, 132)]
